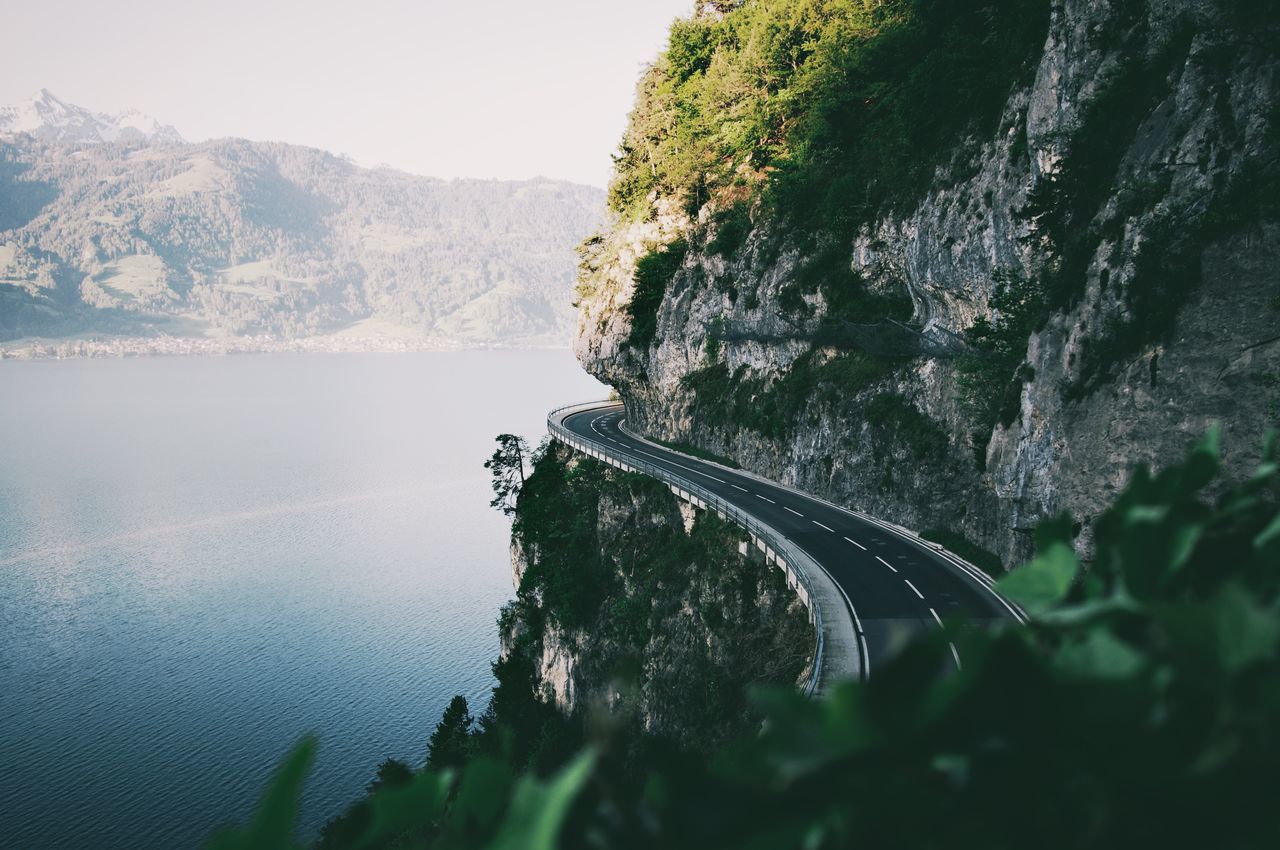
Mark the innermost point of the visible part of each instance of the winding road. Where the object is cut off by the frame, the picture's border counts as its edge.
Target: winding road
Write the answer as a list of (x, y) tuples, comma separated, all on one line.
[(895, 584)]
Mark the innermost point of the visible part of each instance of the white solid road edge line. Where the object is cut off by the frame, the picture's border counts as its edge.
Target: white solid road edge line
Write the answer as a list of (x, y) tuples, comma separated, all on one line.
[(857, 622), (667, 460)]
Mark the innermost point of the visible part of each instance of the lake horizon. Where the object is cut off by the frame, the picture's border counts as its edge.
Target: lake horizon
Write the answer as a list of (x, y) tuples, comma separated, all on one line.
[(204, 558)]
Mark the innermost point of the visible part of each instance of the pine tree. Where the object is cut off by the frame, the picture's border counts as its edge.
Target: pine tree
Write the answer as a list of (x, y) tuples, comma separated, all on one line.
[(507, 467), (450, 744)]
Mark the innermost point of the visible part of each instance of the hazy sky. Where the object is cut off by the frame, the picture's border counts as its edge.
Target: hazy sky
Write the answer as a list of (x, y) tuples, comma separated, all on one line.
[(504, 88)]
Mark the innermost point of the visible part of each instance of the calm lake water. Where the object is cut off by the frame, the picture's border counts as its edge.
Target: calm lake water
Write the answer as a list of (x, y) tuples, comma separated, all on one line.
[(203, 559)]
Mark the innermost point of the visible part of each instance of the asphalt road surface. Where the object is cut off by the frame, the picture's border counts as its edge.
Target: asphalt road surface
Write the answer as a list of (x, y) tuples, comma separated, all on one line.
[(897, 585)]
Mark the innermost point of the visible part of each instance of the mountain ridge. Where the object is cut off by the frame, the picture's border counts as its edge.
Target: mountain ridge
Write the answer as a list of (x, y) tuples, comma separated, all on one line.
[(230, 238), (47, 117)]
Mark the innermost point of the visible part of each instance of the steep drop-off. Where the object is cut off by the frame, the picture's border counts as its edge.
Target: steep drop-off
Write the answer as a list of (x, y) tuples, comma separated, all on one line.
[(631, 599), (1058, 289)]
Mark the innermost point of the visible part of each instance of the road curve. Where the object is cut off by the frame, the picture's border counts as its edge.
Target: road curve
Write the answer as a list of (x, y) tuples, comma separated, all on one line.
[(895, 584)]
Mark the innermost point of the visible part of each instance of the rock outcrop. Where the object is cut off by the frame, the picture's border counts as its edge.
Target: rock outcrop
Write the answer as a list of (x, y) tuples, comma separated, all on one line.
[(625, 600), (1129, 185)]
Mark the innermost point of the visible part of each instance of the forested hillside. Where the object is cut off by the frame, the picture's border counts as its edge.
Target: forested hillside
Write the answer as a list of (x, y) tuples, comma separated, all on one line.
[(234, 237)]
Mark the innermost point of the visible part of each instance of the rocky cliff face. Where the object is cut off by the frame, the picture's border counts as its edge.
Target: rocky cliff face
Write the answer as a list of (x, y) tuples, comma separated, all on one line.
[(630, 599), (1120, 225)]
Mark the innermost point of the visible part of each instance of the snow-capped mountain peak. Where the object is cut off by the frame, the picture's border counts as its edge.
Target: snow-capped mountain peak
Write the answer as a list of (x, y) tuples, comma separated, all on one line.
[(49, 118)]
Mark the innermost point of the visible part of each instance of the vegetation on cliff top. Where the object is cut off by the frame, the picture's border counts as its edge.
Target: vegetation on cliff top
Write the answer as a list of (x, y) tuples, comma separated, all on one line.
[(1138, 708), (839, 108), (653, 272), (607, 557)]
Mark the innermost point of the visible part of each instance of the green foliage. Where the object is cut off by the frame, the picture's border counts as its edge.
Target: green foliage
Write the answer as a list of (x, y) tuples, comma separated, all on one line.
[(506, 466), (839, 108), (770, 407), (906, 426), (274, 819), (451, 744), (984, 559), (358, 821), (518, 728), (1138, 708), (538, 809), (829, 271), (732, 225), (1041, 585), (557, 516), (623, 602), (653, 274), (992, 374), (391, 773)]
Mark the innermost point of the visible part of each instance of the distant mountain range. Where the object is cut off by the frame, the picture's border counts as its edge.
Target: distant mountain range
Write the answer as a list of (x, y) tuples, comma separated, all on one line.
[(113, 225), (49, 119)]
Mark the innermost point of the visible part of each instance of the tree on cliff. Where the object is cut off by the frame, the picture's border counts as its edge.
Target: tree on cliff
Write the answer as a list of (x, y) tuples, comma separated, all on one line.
[(350, 827), (450, 744), (507, 467)]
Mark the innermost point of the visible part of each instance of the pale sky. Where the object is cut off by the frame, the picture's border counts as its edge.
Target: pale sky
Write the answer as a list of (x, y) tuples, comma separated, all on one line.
[(505, 89)]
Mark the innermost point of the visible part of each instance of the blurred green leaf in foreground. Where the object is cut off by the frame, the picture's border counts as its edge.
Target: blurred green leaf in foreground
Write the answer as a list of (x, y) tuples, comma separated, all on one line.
[(1139, 708)]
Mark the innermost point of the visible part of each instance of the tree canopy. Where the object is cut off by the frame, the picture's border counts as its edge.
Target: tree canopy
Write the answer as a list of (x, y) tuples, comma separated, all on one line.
[(834, 109), (450, 744)]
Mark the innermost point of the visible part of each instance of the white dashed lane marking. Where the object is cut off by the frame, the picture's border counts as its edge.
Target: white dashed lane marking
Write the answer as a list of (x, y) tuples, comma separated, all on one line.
[(601, 425)]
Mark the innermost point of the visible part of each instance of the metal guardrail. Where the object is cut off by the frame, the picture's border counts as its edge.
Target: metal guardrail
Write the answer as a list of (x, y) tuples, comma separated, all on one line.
[(777, 548)]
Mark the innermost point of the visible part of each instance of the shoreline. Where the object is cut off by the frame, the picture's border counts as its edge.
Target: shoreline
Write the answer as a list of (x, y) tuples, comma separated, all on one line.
[(118, 347)]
